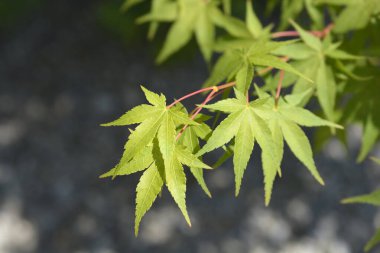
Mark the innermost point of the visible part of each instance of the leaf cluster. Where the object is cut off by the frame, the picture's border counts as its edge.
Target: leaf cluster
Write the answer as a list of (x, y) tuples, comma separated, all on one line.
[(152, 147), (324, 68)]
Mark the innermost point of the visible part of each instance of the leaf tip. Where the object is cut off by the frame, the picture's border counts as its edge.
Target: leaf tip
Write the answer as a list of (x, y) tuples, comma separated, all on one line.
[(188, 222), (136, 232), (267, 199), (143, 88), (237, 193)]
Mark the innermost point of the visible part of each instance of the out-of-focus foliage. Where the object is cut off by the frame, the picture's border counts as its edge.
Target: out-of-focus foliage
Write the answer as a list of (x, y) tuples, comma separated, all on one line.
[(371, 199), (12, 11)]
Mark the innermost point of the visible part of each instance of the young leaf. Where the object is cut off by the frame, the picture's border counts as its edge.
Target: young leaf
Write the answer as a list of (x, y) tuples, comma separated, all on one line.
[(179, 35), (223, 133), (162, 11), (238, 123), (176, 182), (244, 78), (147, 190), (305, 118), (326, 89), (140, 162), (205, 33), (278, 140), (296, 51), (232, 25), (153, 145), (370, 134), (342, 55), (227, 65), (188, 159), (272, 61), (290, 9), (136, 115), (154, 98), (356, 15), (297, 99), (190, 139), (271, 163), (244, 142), (300, 146), (253, 23), (283, 120), (309, 39), (372, 199)]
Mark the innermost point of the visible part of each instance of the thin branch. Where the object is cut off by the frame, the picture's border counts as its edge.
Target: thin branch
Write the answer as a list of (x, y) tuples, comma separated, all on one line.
[(189, 95), (285, 34), (221, 87), (319, 34), (217, 90), (279, 87)]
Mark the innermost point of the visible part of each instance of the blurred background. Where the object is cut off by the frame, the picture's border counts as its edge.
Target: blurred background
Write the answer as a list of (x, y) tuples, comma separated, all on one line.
[(66, 67)]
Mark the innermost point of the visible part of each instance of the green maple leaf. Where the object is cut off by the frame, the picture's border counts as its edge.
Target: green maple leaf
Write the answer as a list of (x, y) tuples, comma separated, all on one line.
[(190, 17), (363, 108), (312, 59), (152, 145), (200, 18), (291, 9), (239, 64), (285, 120), (372, 199), (161, 11), (148, 188), (356, 15), (139, 162), (253, 23), (246, 126), (190, 139)]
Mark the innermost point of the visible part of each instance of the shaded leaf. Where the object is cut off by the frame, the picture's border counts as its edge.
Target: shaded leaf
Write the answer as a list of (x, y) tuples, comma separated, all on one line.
[(372, 199), (374, 241)]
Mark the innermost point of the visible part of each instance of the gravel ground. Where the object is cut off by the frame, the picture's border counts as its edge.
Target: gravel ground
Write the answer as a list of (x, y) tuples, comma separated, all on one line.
[(60, 76)]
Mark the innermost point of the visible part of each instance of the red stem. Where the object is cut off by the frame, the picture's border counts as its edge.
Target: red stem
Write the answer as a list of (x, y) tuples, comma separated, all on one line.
[(285, 34), (215, 92), (197, 111), (319, 34), (279, 87), (189, 95), (214, 88)]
